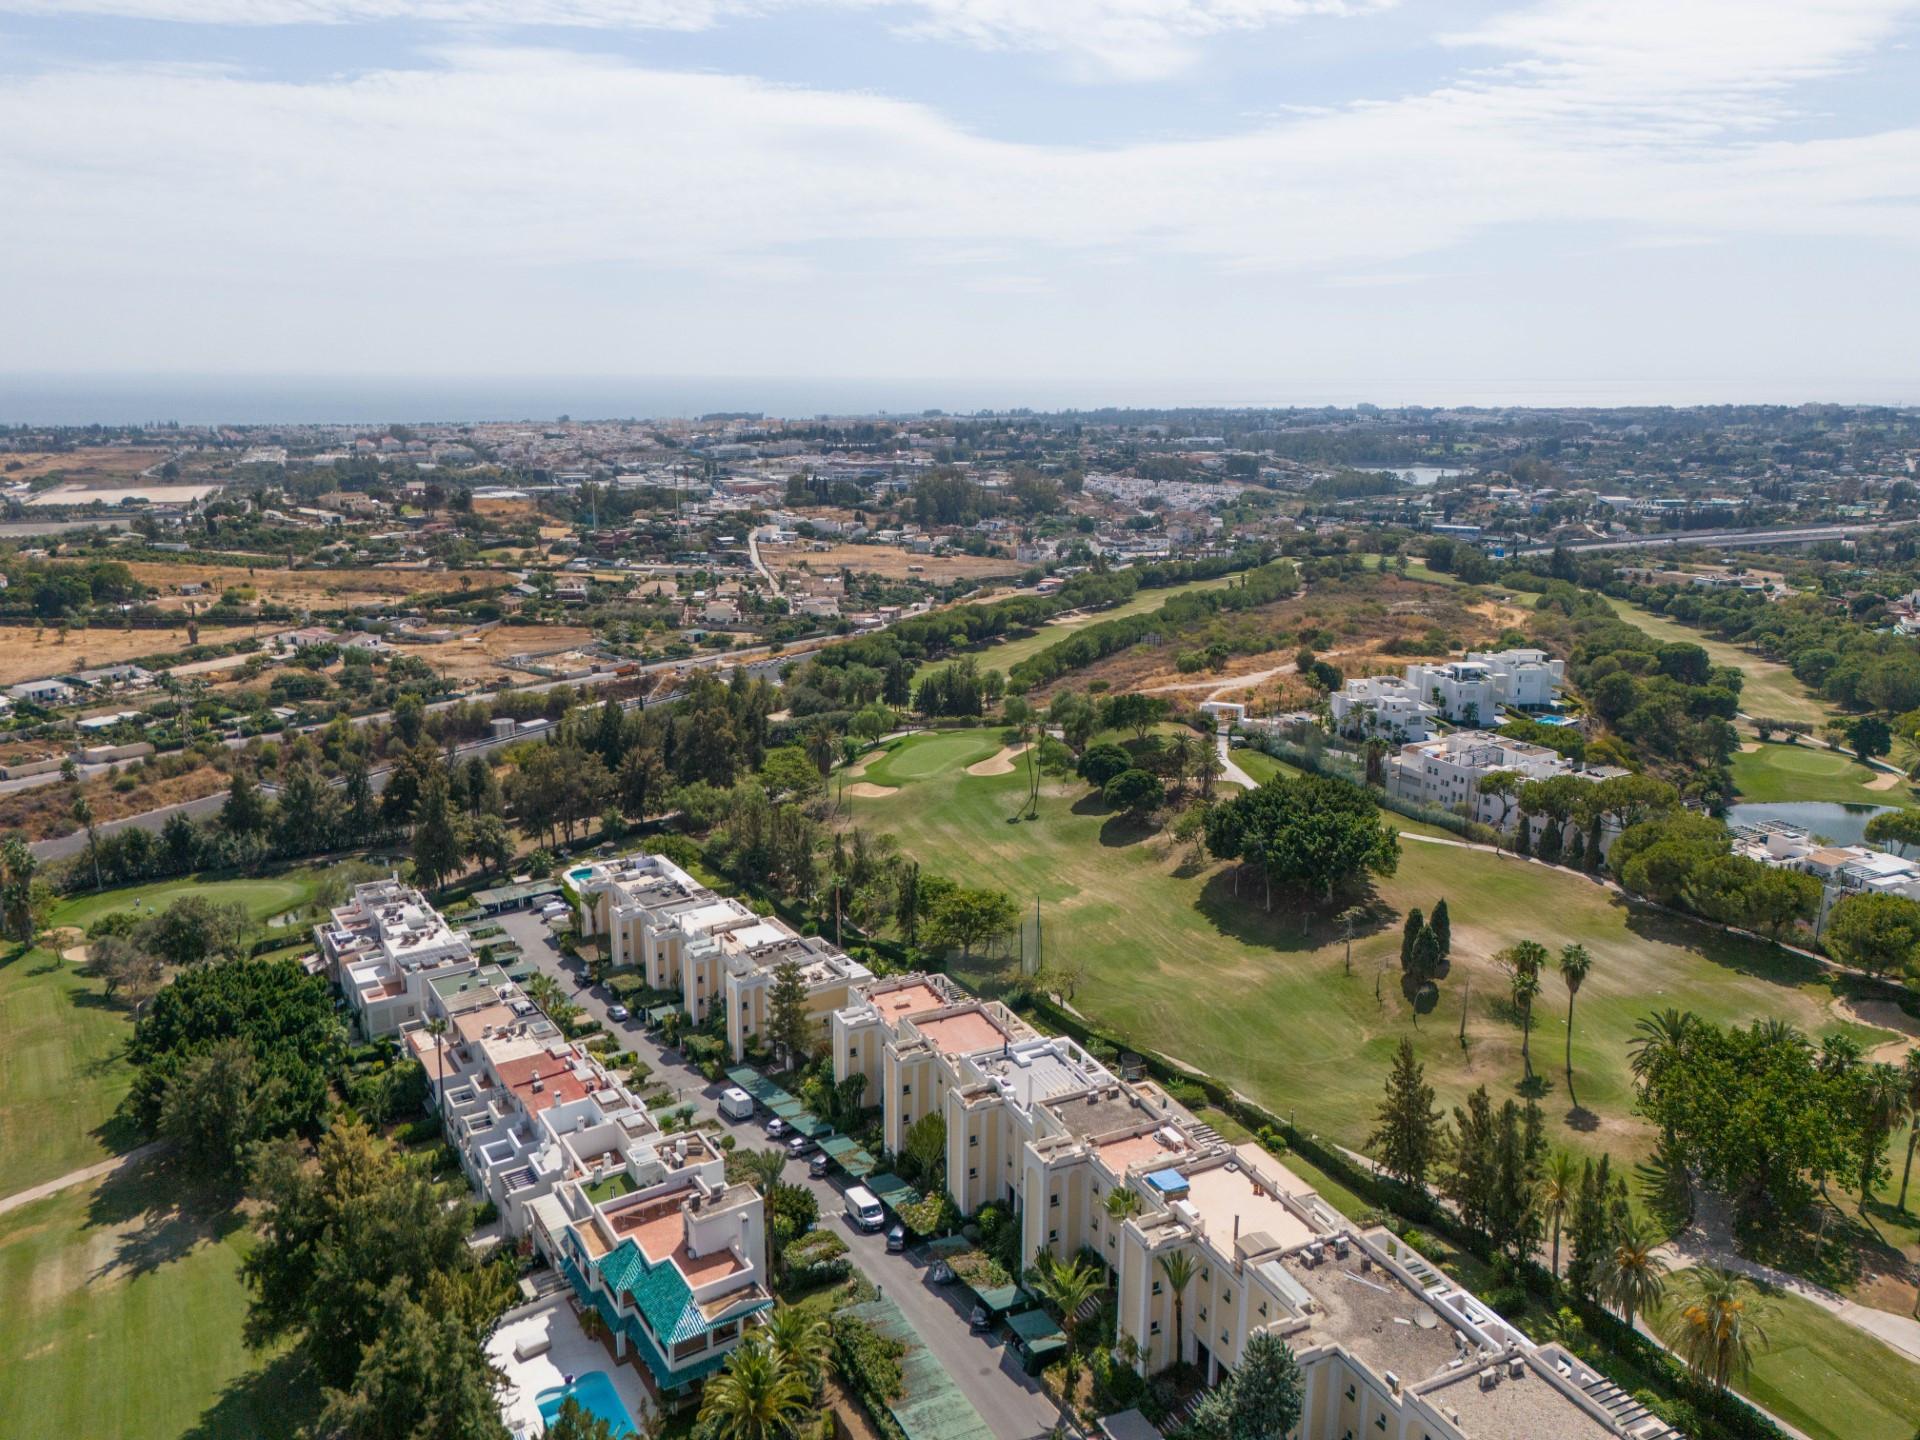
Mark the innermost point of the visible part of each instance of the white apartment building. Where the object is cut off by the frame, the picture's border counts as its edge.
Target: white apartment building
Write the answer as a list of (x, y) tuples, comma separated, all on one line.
[(1384, 706), (1472, 691), (1842, 870), (1386, 1344), (384, 949), (1446, 771), (708, 947)]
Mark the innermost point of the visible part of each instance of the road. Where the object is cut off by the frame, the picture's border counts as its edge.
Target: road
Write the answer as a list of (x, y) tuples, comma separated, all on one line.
[(1011, 1403), (1728, 539)]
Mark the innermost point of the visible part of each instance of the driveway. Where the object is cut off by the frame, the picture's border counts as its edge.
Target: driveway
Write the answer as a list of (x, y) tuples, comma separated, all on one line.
[(1012, 1404)]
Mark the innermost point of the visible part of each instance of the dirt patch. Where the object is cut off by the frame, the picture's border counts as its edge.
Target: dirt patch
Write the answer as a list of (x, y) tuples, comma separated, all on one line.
[(28, 654), (1886, 780), (308, 589), (1001, 764), (104, 462), (46, 811), (886, 561), (1881, 1015), (867, 790)]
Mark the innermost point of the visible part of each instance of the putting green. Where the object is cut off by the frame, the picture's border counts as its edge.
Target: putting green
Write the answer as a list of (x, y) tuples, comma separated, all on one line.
[(921, 756), (1800, 772)]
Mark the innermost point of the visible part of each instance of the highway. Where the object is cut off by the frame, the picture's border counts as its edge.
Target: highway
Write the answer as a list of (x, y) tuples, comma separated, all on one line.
[(1727, 539)]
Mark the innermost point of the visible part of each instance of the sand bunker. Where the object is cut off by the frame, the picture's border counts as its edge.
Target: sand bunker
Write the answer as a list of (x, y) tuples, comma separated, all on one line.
[(1001, 764), (1749, 747), (1884, 781), (867, 790)]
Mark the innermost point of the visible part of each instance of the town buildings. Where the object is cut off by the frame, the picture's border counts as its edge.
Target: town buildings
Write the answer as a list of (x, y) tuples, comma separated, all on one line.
[(1473, 691), (710, 948), (1446, 771), (385, 948), (1386, 1344), (1383, 706)]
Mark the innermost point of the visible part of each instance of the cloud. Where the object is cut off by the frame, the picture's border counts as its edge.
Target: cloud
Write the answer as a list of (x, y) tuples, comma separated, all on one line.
[(1127, 39)]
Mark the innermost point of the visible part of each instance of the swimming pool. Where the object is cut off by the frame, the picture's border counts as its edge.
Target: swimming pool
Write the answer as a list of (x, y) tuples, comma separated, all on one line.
[(583, 874), (594, 1390)]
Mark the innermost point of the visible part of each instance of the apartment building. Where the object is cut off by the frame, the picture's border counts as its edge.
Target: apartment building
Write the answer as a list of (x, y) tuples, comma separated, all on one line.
[(1384, 706), (1446, 771), (1472, 691), (709, 947), (384, 949), (1387, 1345), (1842, 870)]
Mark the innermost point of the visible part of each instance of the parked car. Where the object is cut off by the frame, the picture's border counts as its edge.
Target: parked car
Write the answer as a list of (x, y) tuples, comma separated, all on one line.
[(776, 1127), (941, 1273), (896, 1239), (617, 1012), (800, 1145), (820, 1165)]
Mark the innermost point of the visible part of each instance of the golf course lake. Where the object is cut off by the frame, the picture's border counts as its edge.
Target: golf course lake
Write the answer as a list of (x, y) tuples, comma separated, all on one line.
[(1842, 824)]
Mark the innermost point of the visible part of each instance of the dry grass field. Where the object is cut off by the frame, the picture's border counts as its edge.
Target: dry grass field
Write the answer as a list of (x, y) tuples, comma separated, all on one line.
[(27, 654), (98, 462), (317, 589), (487, 653), (887, 562)]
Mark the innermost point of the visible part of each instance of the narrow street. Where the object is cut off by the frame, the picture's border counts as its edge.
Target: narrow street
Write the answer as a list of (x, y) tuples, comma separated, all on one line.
[(1011, 1403)]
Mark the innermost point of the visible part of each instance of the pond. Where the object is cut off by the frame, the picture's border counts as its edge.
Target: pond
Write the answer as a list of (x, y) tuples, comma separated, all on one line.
[(1842, 824)]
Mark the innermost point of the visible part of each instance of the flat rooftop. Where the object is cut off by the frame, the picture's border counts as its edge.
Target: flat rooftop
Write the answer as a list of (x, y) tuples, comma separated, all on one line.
[(907, 1000), (967, 1033), (1120, 1156), (1523, 1409), (1379, 1320), (1229, 1203)]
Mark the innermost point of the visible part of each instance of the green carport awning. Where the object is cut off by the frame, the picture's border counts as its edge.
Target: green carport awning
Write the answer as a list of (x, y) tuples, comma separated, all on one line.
[(1035, 1327), (891, 1190), (810, 1126), (1000, 1298), (791, 1110)]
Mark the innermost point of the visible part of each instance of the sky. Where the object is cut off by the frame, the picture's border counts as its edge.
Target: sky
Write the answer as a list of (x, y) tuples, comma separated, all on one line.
[(1035, 202)]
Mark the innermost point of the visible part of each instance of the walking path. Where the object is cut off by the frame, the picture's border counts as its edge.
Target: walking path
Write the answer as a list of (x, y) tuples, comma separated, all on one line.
[(78, 1177), (1231, 772)]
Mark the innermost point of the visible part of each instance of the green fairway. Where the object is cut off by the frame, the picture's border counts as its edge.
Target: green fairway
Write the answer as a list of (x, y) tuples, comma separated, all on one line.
[(263, 897), (125, 1321), (1800, 772), (1174, 960), (939, 753), (1770, 690), (1829, 1379), (1004, 654), (61, 1075)]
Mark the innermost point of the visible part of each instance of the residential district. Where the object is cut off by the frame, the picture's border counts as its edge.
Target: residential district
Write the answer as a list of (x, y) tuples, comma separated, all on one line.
[(1203, 924)]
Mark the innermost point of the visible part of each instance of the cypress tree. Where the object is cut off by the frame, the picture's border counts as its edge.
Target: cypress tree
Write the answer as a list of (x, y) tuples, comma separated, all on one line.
[(1411, 933), (1441, 924)]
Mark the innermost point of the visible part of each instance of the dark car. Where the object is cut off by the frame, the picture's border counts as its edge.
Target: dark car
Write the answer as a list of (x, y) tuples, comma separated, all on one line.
[(896, 1239), (820, 1165)]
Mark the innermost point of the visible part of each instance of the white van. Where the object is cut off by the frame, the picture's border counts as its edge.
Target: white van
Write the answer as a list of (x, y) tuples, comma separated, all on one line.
[(736, 1104), (863, 1208)]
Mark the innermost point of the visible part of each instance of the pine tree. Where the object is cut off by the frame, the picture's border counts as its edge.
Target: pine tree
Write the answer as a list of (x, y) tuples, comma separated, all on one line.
[(1523, 837), (789, 1025), (1408, 1136), (437, 842), (1409, 934), (1425, 962), (1441, 923)]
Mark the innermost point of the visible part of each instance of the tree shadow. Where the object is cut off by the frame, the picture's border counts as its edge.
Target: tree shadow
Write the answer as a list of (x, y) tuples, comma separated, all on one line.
[(117, 1132), (275, 1402), (162, 1215), (1127, 828), (51, 965), (1091, 803), (1423, 996), (1534, 1087), (1578, 1116), (1757, 958)]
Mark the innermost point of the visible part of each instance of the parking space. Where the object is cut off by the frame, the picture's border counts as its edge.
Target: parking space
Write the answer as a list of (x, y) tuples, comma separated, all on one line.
[(1011, 1403)]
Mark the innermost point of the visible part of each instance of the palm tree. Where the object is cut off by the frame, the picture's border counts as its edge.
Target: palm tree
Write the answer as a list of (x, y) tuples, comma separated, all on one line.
[(83, 815), (1712, 1325), (1910, 1082), (1660, 1037), (1631, 1274), (1068, 1287), (1524, 962), (1178, 1267), (1883, 1099), (1575, 965), (804, 1343), (437, 1027), (1123, 1202), (1559, 1184), (755, 1397)]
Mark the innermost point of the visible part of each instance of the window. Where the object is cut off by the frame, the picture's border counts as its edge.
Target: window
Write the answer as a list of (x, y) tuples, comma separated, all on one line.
[(1154, 1328), (1052, 1236), (1203, 1314), (1226, 1297), (1206, 1274), (853, 1052), (1156, 1287), (1263, 1309), (1053, 1202), (973, 1142), (1349, 1392), (906, 1089), (973, 1174)]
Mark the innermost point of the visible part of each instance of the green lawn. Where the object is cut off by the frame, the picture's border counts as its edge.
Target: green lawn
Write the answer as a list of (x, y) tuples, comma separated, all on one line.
[(61, 1075), (123, 1320), (1004, 654), (1831, 1380), (1770, 691), (941, 753), (1800, 772), (1177, 962)]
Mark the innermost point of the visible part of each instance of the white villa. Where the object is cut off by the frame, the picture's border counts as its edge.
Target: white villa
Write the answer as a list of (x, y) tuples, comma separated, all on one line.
[(1472, 691), (385, 948), (1384, 706)]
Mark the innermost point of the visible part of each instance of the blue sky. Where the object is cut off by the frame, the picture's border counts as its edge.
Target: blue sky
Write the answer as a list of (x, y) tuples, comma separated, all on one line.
[(1048, 201)]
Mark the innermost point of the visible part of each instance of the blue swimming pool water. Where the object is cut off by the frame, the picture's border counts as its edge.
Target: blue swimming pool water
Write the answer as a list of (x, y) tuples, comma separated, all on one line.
[(582, 874), (594, 1390)]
